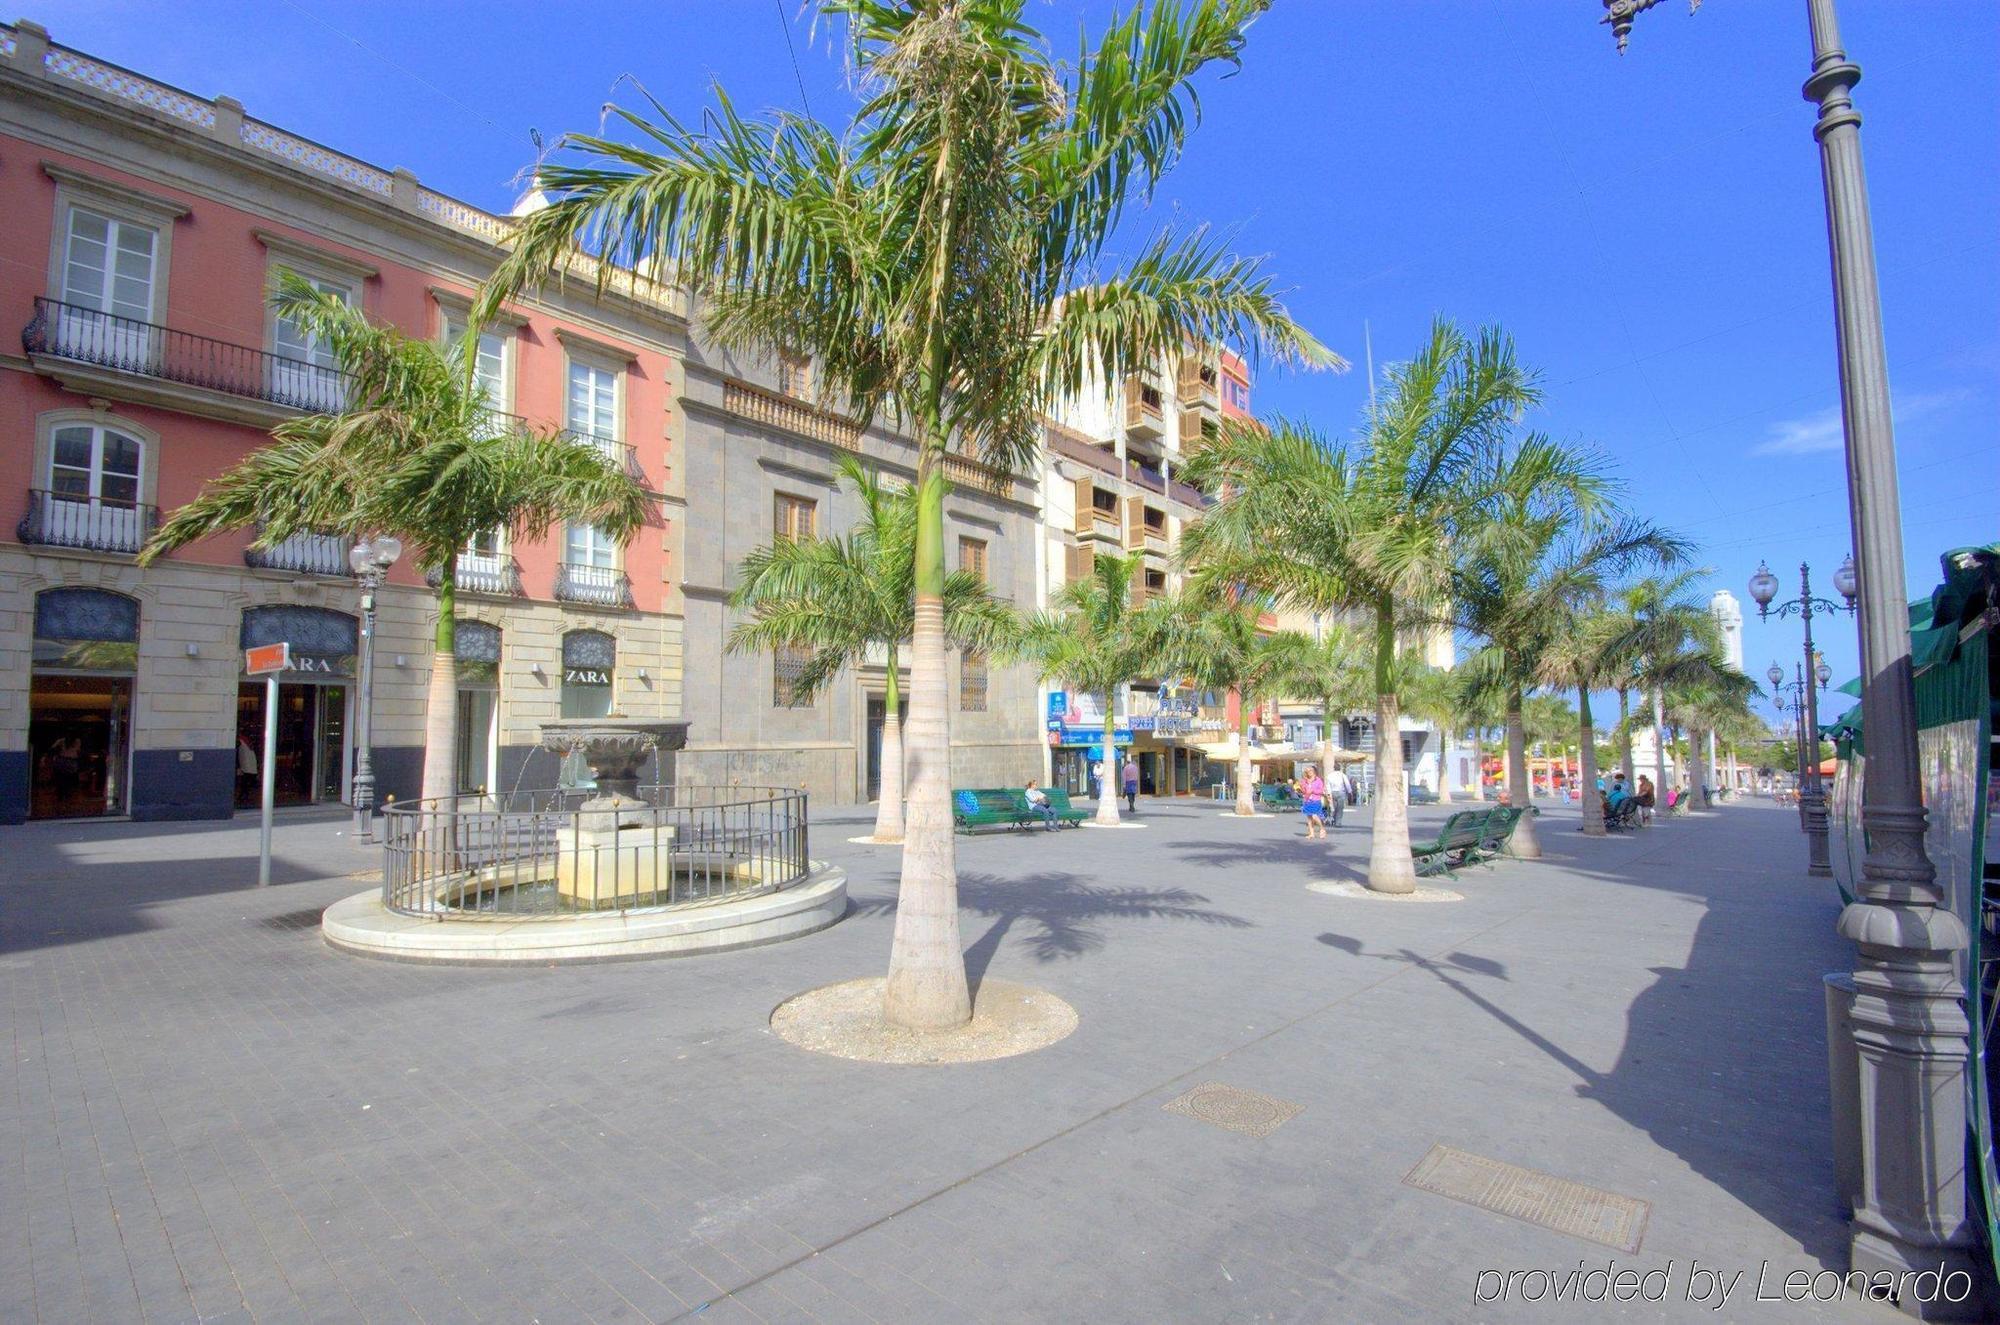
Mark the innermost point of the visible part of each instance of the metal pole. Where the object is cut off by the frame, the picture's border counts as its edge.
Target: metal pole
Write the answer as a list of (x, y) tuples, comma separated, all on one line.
[(1909, 1023), (1813, 796), (364, 755), (270, 772)]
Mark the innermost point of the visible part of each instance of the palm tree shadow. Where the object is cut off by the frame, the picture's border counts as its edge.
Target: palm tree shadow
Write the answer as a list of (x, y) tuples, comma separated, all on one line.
[(1065, 913)]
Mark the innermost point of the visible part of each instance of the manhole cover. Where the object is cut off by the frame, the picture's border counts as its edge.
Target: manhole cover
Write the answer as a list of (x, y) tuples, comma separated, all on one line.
[(1536, 1198), (1237, 1110)]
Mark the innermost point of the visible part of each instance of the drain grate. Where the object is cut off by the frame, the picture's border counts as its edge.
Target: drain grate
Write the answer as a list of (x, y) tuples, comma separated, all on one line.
[(1553, 1203), (1234, 1109)]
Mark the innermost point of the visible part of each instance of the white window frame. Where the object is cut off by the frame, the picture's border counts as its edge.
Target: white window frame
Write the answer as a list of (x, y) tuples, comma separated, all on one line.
[(122, 204), (47, 424), (597, 537), (572, 360), (453, 320)]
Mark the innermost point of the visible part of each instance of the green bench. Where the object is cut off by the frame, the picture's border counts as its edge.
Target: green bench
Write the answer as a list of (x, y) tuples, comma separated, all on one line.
[(1007, 807), (1066, 814), (1624, 817), (1468, 836), (1455, 843), (973, 809), (1278, 796)]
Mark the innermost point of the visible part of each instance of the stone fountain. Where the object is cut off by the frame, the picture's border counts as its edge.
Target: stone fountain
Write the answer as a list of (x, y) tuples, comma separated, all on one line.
[(616, 848)]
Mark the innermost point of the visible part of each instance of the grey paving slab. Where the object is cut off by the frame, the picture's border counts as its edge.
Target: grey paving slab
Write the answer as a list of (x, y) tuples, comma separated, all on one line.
[(207, 1114)]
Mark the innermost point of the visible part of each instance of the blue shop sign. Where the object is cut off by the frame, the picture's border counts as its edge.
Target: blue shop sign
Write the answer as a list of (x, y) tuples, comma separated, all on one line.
[(1094, 736), (1058, 704)]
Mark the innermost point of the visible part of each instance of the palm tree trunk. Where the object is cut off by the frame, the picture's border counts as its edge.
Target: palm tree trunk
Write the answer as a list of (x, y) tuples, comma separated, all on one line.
[(1660, 747), (1526, 843), (1107, 785), (1625, 740), (1246, 802), (926, 988), (1697, 765), (1586, 762), (1390, 869), (441, 704), (1326, 737), (1444, 763), (889, 800)]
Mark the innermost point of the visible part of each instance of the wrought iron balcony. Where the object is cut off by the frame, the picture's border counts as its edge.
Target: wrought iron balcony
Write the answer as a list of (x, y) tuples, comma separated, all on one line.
[(483, 573), (84, 335), (95, 523), (602, 586), (310, 554), (617, 452)]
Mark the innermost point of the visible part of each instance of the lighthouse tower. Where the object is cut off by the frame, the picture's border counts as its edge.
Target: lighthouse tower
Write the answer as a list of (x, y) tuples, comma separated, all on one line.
[(1729, 621)]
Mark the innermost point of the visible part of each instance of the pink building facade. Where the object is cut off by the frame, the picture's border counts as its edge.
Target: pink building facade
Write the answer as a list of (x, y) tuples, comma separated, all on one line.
[(145, 229), (145, 232)]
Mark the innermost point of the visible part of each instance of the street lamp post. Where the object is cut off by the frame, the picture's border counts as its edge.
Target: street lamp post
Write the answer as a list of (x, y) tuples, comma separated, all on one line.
[(1909, 1022), (1812, 790), (1805, 747), (370, 559)]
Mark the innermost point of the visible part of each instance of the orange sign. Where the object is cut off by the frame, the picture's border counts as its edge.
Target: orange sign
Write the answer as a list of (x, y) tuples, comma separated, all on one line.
[(267, 658)]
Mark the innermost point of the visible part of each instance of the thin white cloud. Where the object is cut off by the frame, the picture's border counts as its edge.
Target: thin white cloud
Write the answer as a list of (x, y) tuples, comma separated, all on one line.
[(1820, 431)]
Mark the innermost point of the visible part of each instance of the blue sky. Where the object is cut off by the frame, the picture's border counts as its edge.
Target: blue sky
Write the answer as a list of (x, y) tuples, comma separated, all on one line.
[(1650, 228)]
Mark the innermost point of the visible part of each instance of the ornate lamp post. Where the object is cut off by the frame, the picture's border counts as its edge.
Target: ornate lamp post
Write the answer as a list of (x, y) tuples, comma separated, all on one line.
[(1812, 791), (1910, 1029), (371, 559)]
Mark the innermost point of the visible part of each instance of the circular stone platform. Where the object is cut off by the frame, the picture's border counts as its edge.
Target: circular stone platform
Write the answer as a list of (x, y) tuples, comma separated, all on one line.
[(845, 1021), (1423, 893), (361, 924), (1122, 823)]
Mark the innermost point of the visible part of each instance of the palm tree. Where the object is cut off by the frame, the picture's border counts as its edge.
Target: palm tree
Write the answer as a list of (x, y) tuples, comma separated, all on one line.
[(1372, 527), (1660, 621), (1333, 669), (842, 598), (417, 453), (944, 262), (1586, 654), (1212, 636), (1518, 580), (1702, 692), (1097, 640), (1438, 695)]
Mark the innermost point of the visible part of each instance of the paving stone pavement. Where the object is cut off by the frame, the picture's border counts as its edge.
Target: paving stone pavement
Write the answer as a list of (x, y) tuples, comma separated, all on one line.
[(209, 1115)]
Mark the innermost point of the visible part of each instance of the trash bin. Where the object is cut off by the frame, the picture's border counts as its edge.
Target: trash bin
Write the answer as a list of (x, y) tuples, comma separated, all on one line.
[(1843, 1074)]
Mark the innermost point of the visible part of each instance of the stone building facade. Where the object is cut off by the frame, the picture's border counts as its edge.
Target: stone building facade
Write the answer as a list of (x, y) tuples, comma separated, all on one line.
[(145, 227)]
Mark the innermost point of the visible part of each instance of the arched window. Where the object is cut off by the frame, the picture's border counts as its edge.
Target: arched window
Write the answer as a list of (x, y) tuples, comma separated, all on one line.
[(324, 642), (94, 462), (86, 629), (478, 653), (80, 702)]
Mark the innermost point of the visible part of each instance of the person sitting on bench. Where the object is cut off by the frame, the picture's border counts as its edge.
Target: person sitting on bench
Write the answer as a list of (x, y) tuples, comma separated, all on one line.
[(1038, 802)]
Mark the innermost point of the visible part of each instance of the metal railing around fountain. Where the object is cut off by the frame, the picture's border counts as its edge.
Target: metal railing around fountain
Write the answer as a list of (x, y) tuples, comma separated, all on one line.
[(543, 854)]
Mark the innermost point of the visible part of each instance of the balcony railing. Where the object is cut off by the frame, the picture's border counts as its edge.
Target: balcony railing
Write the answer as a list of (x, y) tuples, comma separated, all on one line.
[(1200, 383), (312, 554), (486, 573), (84, 335), (1145, 408), (96, 523), (626, 457), (602, 586), (781, 411)]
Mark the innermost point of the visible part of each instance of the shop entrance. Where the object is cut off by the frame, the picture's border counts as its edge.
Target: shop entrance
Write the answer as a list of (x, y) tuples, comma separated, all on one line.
[(311, 766), (80, 744)]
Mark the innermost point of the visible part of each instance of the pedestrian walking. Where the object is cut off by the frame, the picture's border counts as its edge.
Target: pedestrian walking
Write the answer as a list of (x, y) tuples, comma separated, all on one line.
[(1339, 795), (1312, 803), (1131, 780)]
